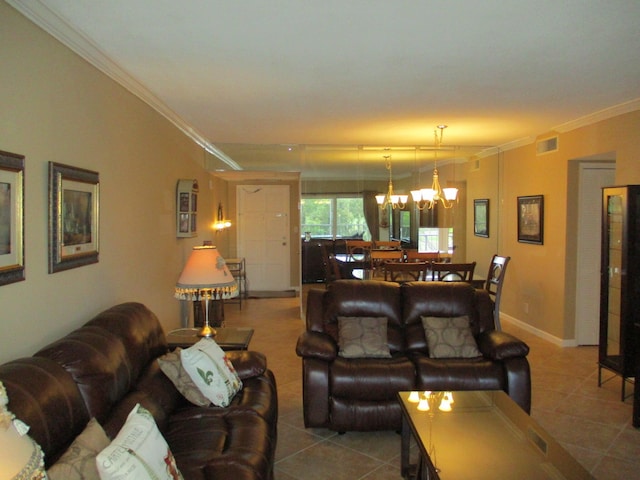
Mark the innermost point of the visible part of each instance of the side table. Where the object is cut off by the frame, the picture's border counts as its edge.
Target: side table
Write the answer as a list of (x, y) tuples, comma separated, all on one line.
[(228, 338)]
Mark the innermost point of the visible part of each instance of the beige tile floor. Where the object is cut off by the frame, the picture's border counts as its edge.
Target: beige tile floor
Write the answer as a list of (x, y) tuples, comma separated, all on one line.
[(591, 422)]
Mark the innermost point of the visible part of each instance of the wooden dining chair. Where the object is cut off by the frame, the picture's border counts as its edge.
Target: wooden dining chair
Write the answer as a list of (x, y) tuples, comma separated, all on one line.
[(453, 272), (494, 283), (390, 245), (412, 255), (405, 272)]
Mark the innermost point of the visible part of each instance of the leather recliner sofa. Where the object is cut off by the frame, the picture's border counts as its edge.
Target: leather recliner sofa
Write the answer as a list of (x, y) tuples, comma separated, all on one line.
[(346, 394), (104, 368)]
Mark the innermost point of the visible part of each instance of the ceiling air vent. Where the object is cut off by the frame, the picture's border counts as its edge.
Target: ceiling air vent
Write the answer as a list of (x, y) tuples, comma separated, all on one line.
[(547, 145)]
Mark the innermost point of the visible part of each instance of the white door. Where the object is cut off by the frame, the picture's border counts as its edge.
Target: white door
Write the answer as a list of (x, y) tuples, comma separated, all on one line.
[(592, 178), (263, 236)]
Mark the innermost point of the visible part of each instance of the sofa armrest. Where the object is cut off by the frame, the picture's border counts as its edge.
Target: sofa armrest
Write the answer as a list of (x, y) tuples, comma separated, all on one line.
[(317, 345), (248, 364), (499, 345)]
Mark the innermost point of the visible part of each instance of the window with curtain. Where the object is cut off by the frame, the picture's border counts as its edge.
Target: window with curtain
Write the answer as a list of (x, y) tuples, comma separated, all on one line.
[(333, 216)]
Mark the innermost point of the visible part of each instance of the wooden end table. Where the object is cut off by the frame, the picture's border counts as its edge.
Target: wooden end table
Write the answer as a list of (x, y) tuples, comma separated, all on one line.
[(228, 338)]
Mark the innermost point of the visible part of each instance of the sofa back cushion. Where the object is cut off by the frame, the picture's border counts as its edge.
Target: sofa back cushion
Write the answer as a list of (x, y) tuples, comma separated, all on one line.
[(139, 330), (436, 299), (44, 396), (369, 298), (97, 361)]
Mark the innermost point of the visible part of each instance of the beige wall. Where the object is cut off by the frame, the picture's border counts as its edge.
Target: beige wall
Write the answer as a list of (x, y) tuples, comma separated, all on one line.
[(56, 107), (544, 276)]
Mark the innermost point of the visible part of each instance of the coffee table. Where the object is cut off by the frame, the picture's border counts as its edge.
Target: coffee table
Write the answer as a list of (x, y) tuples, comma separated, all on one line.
[(486, 435), (228, 338)]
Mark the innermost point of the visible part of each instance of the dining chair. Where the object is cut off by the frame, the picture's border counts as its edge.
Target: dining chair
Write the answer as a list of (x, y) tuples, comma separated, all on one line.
[(412, 255), (453, 272), (494, 283), (357, 248), (390, 245), (402, 272), (335, 269)]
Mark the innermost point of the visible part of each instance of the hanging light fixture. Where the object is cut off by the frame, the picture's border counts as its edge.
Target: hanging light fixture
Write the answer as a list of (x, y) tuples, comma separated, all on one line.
[(429, 197), (391, 199)]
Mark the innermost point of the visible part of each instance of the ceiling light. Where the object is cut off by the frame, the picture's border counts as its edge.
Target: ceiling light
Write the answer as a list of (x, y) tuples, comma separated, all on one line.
[(429, 197), (391, 199)]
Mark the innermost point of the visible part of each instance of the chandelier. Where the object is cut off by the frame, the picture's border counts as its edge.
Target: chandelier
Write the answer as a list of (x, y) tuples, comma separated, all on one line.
[(391, 199), (429, 197)]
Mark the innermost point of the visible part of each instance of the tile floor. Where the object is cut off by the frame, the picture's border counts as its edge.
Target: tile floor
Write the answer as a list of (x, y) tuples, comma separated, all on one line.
[(591, 422)]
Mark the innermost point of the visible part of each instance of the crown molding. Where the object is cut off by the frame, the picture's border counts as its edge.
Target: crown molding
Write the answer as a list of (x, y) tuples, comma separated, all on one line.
[(605, 114), (61, 30)]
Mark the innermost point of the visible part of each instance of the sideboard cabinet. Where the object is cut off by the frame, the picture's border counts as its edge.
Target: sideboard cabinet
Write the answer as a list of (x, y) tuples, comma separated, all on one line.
[(619, 282)]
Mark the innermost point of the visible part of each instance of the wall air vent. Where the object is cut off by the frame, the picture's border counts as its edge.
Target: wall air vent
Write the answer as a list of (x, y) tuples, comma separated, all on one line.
[(547, 145)]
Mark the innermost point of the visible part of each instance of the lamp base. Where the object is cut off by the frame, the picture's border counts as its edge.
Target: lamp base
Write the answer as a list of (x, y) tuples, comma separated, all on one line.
[(207, 331), (216, 313)]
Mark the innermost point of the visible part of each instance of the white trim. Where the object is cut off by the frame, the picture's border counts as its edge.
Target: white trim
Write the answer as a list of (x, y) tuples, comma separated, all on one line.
[(605, 114), (571, 342), (56, 26)]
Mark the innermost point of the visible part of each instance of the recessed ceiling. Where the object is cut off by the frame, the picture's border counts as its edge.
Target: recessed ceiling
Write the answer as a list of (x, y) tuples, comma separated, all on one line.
[(305, 85)]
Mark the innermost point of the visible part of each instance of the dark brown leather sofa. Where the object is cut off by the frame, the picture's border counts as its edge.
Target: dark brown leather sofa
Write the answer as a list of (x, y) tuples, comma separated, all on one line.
[(108, 365), (345, 394)]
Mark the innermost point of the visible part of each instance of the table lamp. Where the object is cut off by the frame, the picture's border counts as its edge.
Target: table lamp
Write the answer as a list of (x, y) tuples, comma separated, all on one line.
[(206, 277), (20, 456)]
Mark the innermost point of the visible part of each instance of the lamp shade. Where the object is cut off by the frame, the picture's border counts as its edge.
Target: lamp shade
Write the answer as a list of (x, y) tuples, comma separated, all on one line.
[(206, 276), (20, 456)]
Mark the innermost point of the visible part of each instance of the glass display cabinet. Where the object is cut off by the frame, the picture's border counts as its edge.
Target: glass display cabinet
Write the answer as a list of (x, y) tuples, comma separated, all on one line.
[(619, 282)]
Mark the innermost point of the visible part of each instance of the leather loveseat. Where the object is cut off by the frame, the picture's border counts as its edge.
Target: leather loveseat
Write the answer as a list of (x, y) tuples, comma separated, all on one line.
[(104, 368), (345, 394)]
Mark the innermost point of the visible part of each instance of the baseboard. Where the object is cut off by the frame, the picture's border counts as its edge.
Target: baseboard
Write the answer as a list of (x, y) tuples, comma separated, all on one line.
[(572, 342)]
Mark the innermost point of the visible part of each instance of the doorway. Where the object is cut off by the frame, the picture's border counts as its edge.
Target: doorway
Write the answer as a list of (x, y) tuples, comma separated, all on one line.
[(591, 178), (263, 236)]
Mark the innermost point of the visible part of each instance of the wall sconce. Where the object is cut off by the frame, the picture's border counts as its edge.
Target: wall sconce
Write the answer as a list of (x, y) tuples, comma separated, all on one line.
[(221, 223)]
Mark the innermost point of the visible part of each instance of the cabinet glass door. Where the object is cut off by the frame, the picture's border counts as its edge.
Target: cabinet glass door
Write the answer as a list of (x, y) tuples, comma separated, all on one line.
[(614, 269)]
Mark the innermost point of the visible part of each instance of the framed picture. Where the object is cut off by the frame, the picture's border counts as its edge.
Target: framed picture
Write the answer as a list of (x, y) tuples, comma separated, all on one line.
[(187, 208), (11, 218), (481, 217), (531, 219), (74, 201)]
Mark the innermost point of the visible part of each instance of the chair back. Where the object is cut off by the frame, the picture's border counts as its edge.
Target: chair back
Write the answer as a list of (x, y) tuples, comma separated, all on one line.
[(391, 244), (359, 247), (453, 272), (412, 255), (495, 280), (405, 272)]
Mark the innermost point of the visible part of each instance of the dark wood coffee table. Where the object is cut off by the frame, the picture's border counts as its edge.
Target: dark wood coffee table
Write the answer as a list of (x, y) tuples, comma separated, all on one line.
[(228, 338), (486, 435)]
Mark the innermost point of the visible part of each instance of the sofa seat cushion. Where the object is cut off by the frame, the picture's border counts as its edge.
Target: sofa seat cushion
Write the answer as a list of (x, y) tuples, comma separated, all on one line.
[(458, 374), (371, 379), (362, 415), (220, 443)]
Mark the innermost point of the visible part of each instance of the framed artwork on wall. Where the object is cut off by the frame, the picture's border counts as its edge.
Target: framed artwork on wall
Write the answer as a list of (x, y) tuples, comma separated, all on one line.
[(481, 217), (74, 201), (187, 208), (531, 219), (11, 218)]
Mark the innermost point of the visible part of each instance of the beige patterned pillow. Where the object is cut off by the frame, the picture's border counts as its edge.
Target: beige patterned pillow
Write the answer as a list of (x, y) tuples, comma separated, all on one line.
[(172, 367), (79, 461), (450, 337), (363, 337)]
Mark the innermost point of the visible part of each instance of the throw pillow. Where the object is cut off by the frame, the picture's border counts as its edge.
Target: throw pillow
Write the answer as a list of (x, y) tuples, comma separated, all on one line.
[(362, 337), (450, 337), (211, 371), (172, 367), (138, 452), (79, 461)]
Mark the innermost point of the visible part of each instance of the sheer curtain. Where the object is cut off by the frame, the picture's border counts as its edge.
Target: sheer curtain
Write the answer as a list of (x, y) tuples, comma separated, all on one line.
[(371, 215)]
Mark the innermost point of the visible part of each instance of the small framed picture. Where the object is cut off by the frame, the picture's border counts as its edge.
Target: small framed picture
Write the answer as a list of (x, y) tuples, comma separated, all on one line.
[(481, 217), (531, 219), (11, 218), (73, 217)]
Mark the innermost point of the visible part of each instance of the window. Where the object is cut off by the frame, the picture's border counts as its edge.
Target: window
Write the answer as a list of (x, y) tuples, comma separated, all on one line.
[(435, 239), (333, 217)]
